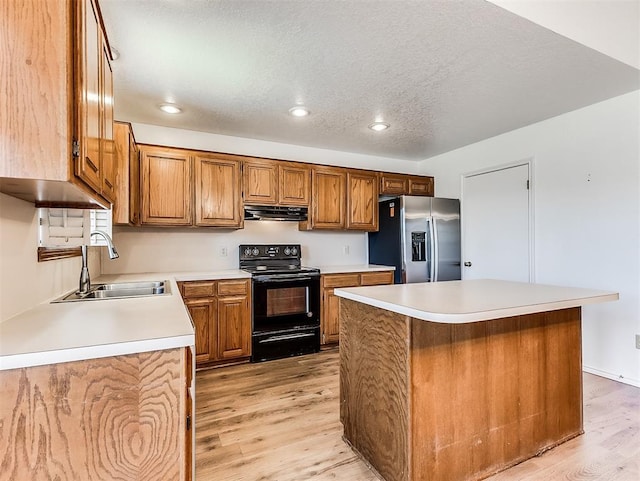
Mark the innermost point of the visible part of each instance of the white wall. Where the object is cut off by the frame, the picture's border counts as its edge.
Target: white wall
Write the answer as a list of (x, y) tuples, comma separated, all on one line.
[(153, 134), (586, 183), (162, 250), (25, 282)]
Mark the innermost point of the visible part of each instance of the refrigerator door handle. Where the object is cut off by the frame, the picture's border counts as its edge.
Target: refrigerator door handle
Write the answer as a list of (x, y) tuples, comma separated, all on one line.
[(436, 251), (433, 271)]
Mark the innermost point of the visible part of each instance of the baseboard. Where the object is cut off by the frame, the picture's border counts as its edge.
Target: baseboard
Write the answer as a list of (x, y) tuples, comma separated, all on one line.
[(614, 377)]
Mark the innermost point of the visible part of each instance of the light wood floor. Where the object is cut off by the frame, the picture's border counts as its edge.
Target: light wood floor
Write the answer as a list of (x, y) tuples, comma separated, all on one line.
[(279, 421)]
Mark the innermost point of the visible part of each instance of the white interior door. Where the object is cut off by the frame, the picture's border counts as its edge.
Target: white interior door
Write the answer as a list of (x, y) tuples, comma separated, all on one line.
[(496, 225)]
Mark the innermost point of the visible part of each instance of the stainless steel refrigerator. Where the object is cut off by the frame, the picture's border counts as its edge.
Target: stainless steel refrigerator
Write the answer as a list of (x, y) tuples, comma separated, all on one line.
[(420, 236)]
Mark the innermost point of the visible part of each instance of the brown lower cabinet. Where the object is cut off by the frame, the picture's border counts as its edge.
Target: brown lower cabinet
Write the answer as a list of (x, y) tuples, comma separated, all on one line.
[(330, 303), (122, 417), (221, 316)]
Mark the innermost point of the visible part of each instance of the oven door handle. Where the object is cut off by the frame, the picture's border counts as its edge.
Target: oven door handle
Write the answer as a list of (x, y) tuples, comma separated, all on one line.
[(268, 280), (286, 337)]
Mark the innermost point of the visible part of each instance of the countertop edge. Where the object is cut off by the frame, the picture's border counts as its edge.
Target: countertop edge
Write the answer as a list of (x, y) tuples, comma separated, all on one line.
[(469, 317), (33, 359)]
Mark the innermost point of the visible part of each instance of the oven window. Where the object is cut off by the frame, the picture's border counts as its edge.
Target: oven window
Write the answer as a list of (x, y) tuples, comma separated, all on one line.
[(286, 300)]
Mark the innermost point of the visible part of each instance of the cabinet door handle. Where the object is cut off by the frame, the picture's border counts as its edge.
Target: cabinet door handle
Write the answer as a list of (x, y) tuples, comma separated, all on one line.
[(467, 264), (189, 422), (90, 163)]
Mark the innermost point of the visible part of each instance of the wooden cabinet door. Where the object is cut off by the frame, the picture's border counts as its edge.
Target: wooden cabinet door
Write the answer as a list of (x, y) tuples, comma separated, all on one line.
[(88, 163), (421, 186), (260, 182), (203, 314), (166, 186), (330, 317), (134, 180), (107, 137), (394, 184), (328, 202), (120, 213), (234, 327), (330, 310), (126, 205), (218, 194), (362, 201), (295, 184)]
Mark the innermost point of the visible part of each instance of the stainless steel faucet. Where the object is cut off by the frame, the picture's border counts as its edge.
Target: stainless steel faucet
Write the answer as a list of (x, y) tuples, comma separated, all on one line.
[(85, 280)]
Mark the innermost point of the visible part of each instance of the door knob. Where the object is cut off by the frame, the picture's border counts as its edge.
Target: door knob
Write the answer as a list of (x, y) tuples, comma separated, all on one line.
[(467, 264)]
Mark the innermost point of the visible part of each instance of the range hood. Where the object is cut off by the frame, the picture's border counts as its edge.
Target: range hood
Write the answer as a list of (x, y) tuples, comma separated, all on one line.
[(274, 212)]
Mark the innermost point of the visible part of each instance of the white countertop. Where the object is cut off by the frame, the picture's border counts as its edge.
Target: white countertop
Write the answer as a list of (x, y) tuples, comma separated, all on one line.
[(353, 268), (71, 331), (456, 302)]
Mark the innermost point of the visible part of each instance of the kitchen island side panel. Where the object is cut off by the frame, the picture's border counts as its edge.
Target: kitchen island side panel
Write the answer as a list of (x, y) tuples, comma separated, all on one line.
[(488, 395), (457, 402), (374, 386)]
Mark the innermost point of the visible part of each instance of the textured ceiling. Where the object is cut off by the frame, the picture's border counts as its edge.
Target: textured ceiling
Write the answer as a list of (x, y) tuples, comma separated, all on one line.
[(443, 73)]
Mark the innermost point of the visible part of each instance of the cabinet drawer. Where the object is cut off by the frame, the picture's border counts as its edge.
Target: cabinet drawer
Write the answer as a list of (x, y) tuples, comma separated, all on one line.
[(341, 280), (198, 289), (421, 186), (233, 288), (376, 278), (394, 185)]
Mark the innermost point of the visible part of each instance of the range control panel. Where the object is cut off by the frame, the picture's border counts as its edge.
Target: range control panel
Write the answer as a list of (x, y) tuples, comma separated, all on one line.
[(269, 251)]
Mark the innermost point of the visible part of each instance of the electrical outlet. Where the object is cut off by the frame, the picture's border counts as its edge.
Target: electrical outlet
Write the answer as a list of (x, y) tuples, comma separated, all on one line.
[(223, 252), (345, 250), (637, 341)]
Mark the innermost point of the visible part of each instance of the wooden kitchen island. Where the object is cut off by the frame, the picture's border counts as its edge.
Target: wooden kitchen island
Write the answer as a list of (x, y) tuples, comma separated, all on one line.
[(459, 380)]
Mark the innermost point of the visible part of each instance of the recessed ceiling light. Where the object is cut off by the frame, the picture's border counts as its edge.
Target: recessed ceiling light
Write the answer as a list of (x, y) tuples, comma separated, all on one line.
[(170, 108), (379, 126), (299, 111)]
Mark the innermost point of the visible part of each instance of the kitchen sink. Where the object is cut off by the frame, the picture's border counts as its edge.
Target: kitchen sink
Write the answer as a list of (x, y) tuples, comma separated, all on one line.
[(129, 285), (120, 290)]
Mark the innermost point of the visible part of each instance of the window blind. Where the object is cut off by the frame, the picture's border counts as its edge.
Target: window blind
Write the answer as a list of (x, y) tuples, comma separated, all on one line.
[(64, 227)]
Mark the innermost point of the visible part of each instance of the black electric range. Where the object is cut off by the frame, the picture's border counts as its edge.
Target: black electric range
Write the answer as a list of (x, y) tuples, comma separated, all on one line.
[(286, 301)]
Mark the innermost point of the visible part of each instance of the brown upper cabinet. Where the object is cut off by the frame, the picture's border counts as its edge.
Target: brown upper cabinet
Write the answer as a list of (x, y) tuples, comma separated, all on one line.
[(343, 199), (275, 182), (217, 191), (260, 182), (362, 200), (171, 178), (294, 184), (58, 89), (421, 186), (165, 186), (328, 204), (126, 205), (402, 184)]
